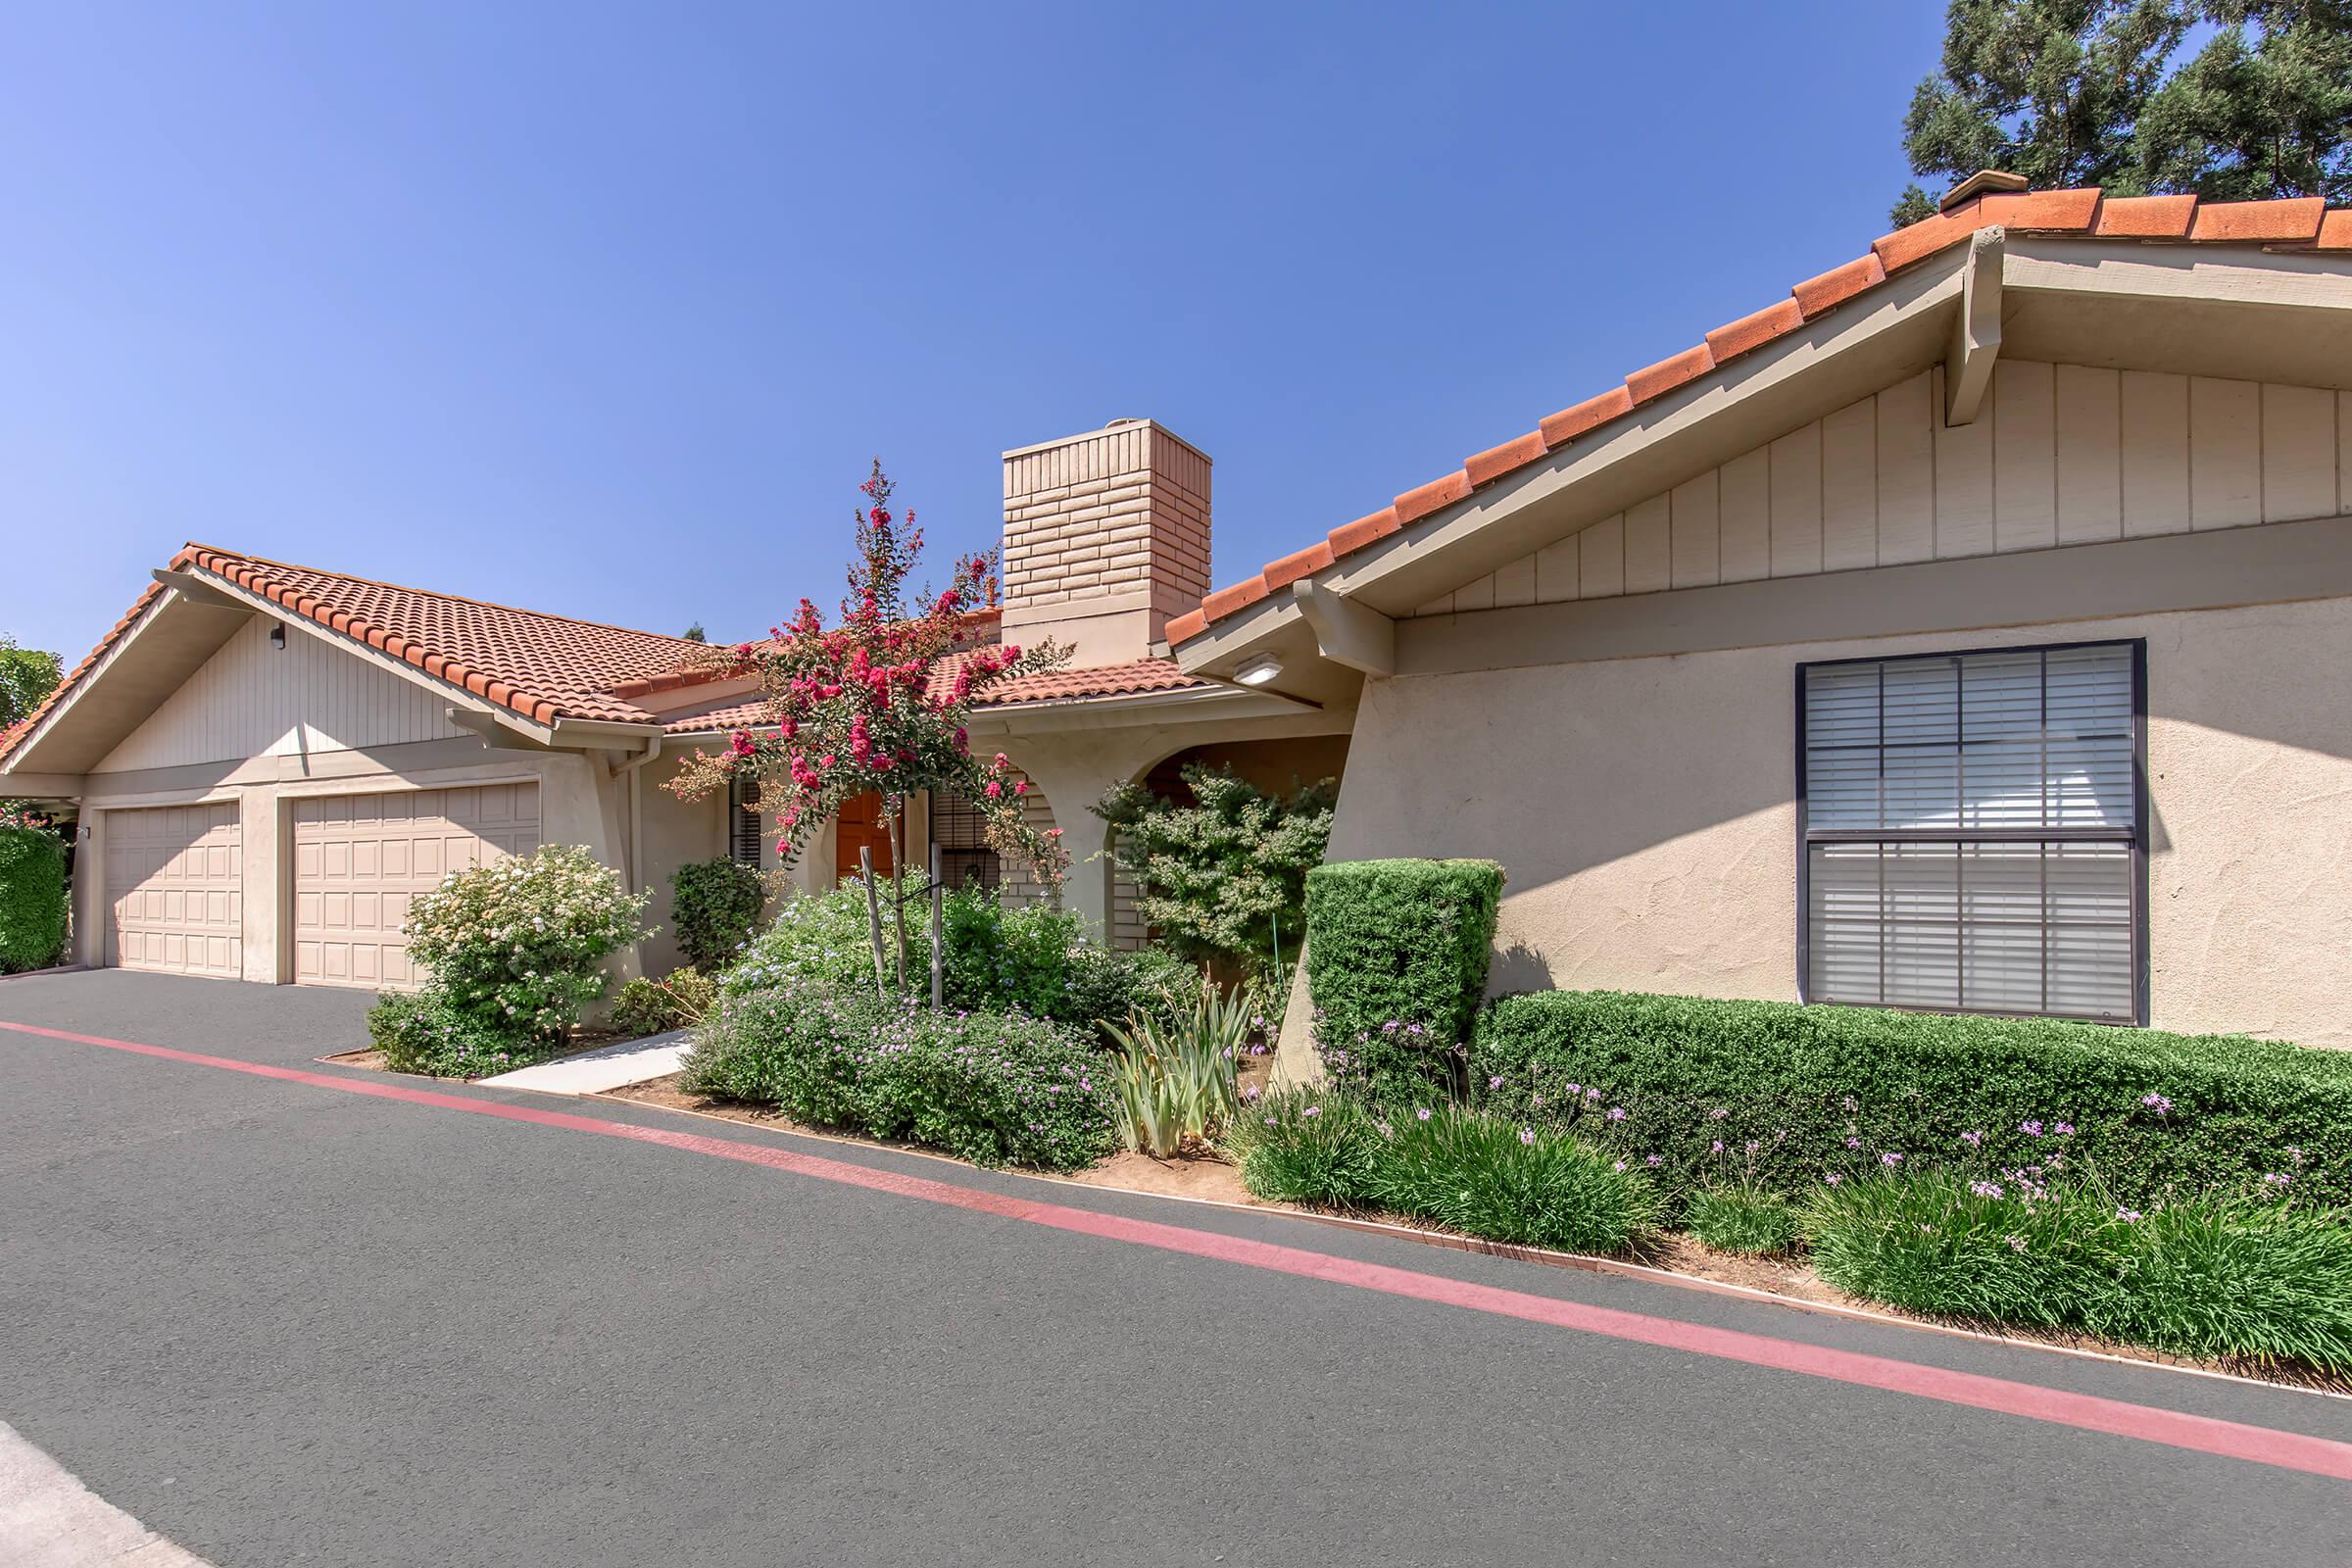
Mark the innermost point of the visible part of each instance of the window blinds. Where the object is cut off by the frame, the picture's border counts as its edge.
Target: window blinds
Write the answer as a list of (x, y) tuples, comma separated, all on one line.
[(1970, 826)]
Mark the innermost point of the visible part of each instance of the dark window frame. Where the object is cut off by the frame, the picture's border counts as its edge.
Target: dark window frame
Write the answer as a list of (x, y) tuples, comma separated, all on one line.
[(2137, 836)]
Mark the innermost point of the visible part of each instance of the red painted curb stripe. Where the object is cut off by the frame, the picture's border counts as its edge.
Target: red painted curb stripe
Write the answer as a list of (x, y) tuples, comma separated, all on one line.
[(2288, 1450)]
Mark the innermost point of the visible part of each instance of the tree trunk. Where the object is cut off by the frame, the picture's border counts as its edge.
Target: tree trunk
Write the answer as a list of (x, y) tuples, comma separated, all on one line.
[(939, 936), (873, 921), (894, 821)]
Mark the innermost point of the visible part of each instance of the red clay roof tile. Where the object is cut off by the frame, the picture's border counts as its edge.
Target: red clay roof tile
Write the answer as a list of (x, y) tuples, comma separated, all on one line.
[(2039, 209), (1656, 380), (1755, 330), (1496, 462), (1434, 496), (2145, 217), (2335, 231), (1835, 287), (1570, 423), (1306, 563), (2291, 219), (1352, 536), (1925, 238)]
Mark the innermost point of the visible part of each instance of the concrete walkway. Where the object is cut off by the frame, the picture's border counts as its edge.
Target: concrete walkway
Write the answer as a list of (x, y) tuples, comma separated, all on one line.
[(48, 1519), (592, 1072)]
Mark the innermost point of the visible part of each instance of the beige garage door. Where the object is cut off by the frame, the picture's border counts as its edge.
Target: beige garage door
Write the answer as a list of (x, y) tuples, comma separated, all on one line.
[(359, 859), (174, 877)]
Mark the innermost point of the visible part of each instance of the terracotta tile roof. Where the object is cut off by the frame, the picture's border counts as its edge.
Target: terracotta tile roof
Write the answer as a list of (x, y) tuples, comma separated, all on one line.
[(541, 667), (2303, 223), (1133, 680)]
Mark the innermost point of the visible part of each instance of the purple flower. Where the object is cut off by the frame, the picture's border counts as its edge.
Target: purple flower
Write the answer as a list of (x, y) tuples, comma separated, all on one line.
[(1718, 1114), (2157, 1103), (1312, 1111), (1853, 1142), (1973, 1139), (1986, 1189), (1620, 1165), (2275, 1179), (2031, 1129), (1616, 1113), (1890, 1160), (1655, 1159), (1527, 1135), (2017, 1244), (2128, 1215), (1717, 1145), (1422, 1112), (1495, 1082), (1832, 1178), (2064, 1129)]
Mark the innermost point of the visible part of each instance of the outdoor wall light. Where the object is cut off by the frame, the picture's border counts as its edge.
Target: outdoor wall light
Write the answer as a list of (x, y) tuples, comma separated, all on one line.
[(1258, 670), (277, 635)]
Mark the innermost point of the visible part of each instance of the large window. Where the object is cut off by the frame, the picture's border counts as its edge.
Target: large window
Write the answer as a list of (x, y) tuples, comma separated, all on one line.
[(1972, 831), (965, 859)]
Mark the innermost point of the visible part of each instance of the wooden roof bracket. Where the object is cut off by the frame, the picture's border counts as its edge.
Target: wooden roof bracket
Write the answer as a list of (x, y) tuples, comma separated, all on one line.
[(1977, 330)]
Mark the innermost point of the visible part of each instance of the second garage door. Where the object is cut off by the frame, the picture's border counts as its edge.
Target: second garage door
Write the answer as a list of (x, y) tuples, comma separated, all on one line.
[(359, 859)]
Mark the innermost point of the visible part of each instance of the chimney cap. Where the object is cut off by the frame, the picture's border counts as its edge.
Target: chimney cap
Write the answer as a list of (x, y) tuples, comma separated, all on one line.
[(1977, 183)]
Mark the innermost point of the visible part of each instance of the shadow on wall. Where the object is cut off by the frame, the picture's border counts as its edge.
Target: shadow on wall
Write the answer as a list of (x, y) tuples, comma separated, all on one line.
[(1516, 968)]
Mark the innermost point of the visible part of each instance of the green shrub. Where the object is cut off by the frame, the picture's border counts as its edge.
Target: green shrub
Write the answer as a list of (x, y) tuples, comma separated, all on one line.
[(676, 1000), (1223, 876), (32, 899), (1741, 1218), (1030, 959), (1397, 955), (1803, 1092), (1486, 1177), (1527, 1186), (518, 946), (423, 1033), (820, 938), (715, 909), (2218, 1276), (997, 1089), (1302, 1147)]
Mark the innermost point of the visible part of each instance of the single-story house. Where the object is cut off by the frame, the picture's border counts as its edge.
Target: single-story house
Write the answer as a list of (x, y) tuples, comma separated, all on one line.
[(1964, 630)]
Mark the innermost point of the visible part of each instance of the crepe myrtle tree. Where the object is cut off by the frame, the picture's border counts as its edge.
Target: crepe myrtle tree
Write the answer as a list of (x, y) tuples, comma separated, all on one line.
[(877, 703)]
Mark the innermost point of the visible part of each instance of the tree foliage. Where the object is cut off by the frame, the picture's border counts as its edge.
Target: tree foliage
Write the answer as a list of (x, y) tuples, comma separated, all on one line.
[(27, 675), (1222, 877), (2101, 92), (877, 703)]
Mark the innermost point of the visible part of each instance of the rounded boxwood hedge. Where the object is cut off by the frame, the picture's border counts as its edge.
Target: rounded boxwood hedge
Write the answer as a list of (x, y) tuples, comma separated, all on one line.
[(32, 899), (1397, 955), (1786, 1094)]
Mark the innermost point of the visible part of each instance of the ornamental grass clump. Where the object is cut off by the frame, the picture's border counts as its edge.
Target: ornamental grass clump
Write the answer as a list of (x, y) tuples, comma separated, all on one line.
[(1525, 1185), (1180, 1080), (517, 948), (1743, 1218), (2249, 1277), (1307, 1147)]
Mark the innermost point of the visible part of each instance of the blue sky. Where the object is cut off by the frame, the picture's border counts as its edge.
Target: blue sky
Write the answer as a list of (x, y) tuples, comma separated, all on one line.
[(604, 310)]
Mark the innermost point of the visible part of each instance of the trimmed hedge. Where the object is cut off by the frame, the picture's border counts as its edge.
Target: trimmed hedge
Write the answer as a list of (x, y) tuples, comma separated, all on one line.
[(1397, 955), (996, 1089), (32, 899), (1784, 1094), (715, 909)]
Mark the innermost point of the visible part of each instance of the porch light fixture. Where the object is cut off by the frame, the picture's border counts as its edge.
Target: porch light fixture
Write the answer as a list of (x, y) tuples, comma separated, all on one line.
[(1258, 670), (277, 635)]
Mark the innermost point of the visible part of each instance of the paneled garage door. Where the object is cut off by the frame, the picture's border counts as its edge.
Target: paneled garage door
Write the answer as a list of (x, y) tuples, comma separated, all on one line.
[(359, 859), (174, 875)]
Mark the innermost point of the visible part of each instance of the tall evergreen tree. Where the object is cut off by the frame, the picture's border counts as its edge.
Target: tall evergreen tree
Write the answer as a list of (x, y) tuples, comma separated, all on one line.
[(2098, 92)]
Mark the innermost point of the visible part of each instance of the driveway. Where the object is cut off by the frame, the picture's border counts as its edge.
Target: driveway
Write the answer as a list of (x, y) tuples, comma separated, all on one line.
[(283, 1322)]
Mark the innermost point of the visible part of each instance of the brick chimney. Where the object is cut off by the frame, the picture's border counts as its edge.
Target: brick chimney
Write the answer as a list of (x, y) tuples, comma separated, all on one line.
[(1105, 539)]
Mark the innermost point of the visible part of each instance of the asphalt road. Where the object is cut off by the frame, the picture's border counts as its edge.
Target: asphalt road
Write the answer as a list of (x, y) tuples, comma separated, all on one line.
[(284, 1324)]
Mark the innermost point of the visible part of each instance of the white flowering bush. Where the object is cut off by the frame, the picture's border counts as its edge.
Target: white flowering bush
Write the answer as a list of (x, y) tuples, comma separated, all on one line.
[(518, 947)]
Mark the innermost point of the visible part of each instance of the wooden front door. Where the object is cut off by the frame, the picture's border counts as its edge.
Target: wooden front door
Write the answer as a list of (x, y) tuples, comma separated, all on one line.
[(861, 826)]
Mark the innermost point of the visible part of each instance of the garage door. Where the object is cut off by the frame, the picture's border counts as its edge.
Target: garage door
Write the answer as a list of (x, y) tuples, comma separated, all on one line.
[(359, 859), (174, 878)]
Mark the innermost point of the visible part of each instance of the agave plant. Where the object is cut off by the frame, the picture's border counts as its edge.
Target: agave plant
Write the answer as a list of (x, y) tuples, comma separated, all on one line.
[(1180, 1079)]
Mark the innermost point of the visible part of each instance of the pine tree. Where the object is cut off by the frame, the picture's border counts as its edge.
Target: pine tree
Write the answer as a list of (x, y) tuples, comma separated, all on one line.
[(2097, 92)]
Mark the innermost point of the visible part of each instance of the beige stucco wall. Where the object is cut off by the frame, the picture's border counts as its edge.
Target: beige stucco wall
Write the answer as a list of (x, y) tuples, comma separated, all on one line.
[(1643, 809)]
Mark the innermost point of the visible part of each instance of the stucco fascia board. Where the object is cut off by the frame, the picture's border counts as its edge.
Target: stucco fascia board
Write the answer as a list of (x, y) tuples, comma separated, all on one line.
[(358, 649), (587, 734), (1843, 355), (2316, 280), (2277, 563), (45, 786)]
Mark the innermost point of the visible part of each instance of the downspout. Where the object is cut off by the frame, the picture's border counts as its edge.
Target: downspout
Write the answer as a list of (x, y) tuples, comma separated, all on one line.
[(632, 767)]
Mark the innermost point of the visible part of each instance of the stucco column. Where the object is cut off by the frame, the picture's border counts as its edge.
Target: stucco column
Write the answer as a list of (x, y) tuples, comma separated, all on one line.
[(580, 803), (262, 834), (92, 911)]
